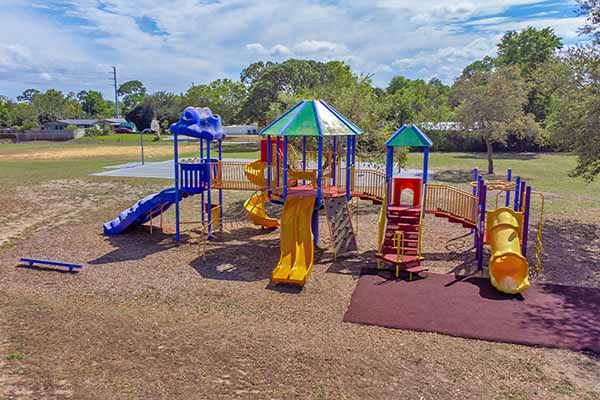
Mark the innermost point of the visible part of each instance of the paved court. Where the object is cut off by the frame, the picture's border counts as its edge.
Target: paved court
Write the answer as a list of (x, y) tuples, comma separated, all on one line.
[(164, 170)]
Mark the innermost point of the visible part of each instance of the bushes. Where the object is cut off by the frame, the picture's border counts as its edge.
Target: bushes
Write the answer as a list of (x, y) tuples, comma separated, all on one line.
[(92, 132), (457, 141)]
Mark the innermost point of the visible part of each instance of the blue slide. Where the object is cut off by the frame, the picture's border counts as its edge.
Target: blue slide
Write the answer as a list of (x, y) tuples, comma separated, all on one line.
[(140, 211)]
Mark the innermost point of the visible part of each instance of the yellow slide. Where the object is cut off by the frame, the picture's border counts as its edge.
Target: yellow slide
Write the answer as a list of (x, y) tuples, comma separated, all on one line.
[(297, 251), (255, 210), (509, 270), (255, 205), (255, 172)]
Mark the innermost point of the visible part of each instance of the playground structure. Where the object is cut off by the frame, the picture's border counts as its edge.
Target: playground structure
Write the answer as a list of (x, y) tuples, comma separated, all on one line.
[(505, 229), (306, 181)]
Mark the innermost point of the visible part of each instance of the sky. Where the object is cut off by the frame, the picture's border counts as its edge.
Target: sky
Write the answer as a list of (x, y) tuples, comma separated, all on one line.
[(168, 45)]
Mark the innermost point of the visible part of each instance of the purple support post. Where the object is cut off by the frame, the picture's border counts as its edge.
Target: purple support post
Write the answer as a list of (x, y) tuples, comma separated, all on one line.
[(517, 191), (269, 157), (508, 178), (482, 197), (477, 190), (526, 221)]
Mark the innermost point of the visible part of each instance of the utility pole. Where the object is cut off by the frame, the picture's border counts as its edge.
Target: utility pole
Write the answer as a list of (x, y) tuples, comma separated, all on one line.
[(114, 72)]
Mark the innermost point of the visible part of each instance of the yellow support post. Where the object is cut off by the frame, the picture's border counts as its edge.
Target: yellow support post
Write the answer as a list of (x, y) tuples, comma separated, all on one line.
[(399, 245)]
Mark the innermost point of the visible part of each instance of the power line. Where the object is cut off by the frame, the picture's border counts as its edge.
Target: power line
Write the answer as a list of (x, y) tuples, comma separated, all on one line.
[(114, 72)]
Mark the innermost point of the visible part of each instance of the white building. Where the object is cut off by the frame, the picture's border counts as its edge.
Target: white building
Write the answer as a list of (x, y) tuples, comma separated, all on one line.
[(241, 130)]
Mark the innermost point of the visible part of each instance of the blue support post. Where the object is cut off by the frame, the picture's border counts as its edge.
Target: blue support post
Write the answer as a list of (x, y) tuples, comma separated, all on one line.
[(522, 195), (517, 191), (315, 219), (303, 153), (208, 190), (389, 173), (320, 171), (476, 180), (334, 162), (509, 179), (269, 166), (277, 144), (526, 221), (202, 193), (314, 225), (425, 164), (425, 173), (348, 169), (220, 190), (353, 151), (285, 167), (304, 157), (176, 166)]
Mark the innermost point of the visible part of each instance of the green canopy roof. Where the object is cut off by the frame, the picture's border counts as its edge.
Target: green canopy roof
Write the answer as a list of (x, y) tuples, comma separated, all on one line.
[(311, 118), (409, 136)]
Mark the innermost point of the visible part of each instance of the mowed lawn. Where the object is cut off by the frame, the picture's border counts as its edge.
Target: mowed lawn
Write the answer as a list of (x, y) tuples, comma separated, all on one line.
[(148, 319)]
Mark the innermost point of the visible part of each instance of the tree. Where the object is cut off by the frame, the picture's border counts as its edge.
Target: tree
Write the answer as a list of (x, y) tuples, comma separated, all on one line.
[(491, 105), (591, 9), (486, 64), (49, 106), (528, 49), (5, 117), (93, 104), (222, 96), (142, 116), (266, 81), (21, 113), (133, 93), (27, 95), (167, 106), (412, 101)]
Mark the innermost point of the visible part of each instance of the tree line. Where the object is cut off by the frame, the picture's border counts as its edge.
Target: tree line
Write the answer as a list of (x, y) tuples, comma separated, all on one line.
[(533, 95)]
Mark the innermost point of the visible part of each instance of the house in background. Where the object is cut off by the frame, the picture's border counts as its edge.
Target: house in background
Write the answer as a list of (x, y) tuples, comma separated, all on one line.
[(113, 122), (62, 124)]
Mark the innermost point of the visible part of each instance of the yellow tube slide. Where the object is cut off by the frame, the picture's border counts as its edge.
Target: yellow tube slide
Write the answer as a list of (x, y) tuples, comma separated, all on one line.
[(255, 210), (255, 172), (255, 205), (509, 270), (297, 251)]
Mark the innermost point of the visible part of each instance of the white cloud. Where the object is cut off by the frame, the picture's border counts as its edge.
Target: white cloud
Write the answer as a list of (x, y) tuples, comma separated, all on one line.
[(201, 41), (320, 47), (447, 63), (308, 48)]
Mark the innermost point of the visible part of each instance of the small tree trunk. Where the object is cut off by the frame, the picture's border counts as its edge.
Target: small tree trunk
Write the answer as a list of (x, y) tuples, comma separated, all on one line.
[(490, 156)]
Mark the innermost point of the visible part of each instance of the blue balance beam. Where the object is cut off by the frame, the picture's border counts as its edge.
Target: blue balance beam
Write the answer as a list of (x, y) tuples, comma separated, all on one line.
[(32, 261)]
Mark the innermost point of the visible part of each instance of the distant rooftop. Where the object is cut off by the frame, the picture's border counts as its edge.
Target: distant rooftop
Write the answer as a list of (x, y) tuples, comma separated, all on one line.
[(78, 121)]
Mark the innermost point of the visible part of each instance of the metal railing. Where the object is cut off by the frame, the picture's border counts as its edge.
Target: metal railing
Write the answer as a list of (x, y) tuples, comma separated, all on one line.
[(368, 183), (452, 202)]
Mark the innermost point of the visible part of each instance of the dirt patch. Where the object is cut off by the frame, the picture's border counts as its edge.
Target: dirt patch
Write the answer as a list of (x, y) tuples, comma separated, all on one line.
[(59, 202)]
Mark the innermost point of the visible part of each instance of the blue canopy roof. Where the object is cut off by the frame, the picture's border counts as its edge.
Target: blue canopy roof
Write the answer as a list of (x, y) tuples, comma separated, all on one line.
[(199, 123)]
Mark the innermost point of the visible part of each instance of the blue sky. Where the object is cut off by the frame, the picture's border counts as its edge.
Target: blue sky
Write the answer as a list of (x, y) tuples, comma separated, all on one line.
[(71, 44)]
